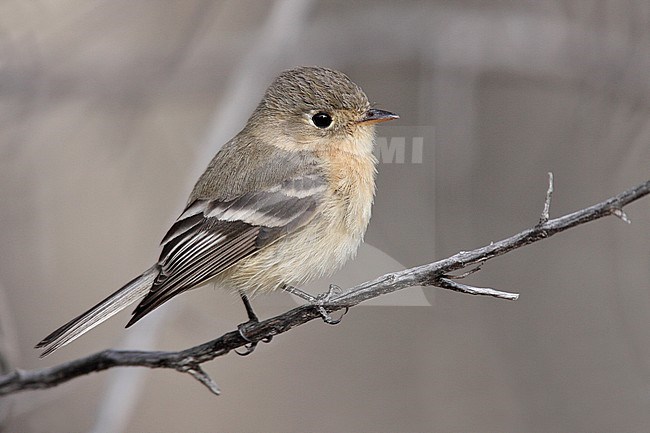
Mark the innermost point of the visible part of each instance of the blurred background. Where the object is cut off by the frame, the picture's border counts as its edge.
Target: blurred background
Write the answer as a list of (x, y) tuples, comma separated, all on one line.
[(109, 110)]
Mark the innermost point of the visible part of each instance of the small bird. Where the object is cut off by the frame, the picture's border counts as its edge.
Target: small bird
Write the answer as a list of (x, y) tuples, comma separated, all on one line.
[(286, 201)]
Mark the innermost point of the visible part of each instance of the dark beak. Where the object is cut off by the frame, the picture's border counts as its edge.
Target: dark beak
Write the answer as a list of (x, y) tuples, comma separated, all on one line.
[(376, 116)]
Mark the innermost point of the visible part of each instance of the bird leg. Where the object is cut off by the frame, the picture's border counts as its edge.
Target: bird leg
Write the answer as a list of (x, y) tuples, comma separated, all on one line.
[(252, 319)]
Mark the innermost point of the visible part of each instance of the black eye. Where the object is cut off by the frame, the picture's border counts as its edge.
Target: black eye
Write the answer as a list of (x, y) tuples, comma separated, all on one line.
[(321, 120)]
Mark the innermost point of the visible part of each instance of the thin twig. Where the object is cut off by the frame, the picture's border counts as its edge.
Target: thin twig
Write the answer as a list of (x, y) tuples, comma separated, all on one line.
[(446, 283), (189, 360), (203, 377), (618, 213), (546, 213)]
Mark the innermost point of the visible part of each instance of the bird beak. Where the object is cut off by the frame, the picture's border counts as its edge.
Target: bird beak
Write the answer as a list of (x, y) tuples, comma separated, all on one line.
[(376, 116)]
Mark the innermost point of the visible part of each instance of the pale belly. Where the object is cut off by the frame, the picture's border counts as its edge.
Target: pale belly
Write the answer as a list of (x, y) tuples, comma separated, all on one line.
[(318, 249)]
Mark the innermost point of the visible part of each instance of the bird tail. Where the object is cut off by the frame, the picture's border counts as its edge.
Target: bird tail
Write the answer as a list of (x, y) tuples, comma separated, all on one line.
[(131, 292)]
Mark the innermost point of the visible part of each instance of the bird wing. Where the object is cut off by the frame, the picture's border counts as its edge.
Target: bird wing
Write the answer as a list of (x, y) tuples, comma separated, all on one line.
[(212, 235)]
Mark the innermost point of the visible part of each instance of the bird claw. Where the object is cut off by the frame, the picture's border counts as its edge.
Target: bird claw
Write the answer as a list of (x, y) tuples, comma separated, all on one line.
[(250, 348), (252, 345), (328, 319), (323, 299)]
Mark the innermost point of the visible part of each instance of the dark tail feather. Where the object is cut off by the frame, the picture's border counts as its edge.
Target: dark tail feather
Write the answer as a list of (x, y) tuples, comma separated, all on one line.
[(131, 292)]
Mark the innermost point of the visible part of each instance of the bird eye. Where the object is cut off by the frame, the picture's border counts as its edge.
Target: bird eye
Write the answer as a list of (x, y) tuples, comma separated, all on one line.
[(321, 120)]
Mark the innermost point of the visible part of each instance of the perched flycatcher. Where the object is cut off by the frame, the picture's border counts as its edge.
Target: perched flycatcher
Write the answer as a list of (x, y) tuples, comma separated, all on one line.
[(287, 200)]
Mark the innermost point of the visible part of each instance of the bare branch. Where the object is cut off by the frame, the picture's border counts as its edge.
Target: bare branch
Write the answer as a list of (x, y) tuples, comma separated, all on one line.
[(436, 274)]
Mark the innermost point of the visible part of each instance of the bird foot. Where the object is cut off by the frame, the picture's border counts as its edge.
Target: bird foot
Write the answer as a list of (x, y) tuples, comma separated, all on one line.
[(319, 301), (250, 347)]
